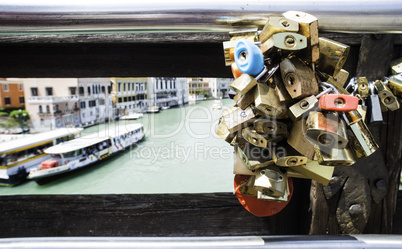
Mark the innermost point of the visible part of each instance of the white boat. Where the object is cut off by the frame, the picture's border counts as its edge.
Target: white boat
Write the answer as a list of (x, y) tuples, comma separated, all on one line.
[(87, 150), (132, 116), (165, 107), (19, 156), (153, 109), (217, 105)]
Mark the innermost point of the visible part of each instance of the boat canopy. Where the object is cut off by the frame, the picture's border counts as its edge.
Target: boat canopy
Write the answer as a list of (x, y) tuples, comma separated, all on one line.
[(92, 139), (76, 144), (37, 139)]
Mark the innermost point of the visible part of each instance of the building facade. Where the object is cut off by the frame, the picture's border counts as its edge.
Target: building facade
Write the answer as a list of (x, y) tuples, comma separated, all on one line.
[(11, 93), (198, 89), (95, 100), (168, 92), (219, 87)]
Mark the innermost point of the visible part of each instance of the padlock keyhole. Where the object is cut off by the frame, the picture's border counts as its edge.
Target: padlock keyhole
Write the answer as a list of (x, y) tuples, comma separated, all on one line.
[(304, 104), (243, 55), (339, 102)]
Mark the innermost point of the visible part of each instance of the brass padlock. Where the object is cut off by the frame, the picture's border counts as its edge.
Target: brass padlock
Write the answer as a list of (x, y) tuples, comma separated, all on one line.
[(239, 167), (363, 87), (228, 46), (271, 181), (284, 41), (235, 118), (247, 189), (284, 198), (244, 101), (326, 130), (308, 26), (271, 127), (255, 157), (395, 84), (302, 107), (336, 157), (243, 84), (360, 137), (339, 81), (297, 139), (313, 170), (257, 139), (298, 78), (267, 101), (387, 98), (333, 56), (283, 95), (277, 24), (396, 66), (285, 156), (223, 132)]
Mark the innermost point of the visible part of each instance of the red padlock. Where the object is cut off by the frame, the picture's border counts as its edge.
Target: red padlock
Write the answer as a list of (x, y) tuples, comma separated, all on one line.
[(235, 71), (338, 102), (258, 207)]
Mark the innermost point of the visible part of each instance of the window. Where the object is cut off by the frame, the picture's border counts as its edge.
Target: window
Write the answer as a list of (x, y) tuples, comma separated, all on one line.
[(125, 99), (166, 84), (81, 91), (101, 101), (103, 89), (94, 89), (22, 100), (132, 86), (57, 108), (47, 109), (7, 101), (66, 108), (109, 89), (120, 100), (20, 87), (128, 86), (75, 106), (82, 105), (40, 109), (34, 91), (72, 90), (119, 87), (124, 87), (174, 83), (5, 87), (91, 103), (49, 91), (89, 90)]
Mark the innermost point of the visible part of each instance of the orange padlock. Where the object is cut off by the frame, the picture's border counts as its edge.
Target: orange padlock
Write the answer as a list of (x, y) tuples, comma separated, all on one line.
[(338, 102), (235, 71), (258, 207)]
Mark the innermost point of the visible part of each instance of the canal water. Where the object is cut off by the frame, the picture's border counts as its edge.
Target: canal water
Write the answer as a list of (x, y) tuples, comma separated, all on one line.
[(180, 154)]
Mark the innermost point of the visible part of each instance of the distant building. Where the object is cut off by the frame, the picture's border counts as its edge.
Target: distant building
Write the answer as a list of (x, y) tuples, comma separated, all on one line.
[(52, 103), (219, 87), (11, 93), (95, 100), (198, 88), (137, 94)]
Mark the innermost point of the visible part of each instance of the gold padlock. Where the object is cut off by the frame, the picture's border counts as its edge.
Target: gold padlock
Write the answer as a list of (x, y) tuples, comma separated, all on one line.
[(396, 66), (243, 84), (235, 118), (283, 95), (285, 156), (298, 78), (284, 41), (271, 181), (271, 127), (267, 101), (363, 87), (244, 101), (302, 107), (339, 81), (277, 24), (308, 26), (395, 84), (360, 137), (313, 170), (255, 157), (387, 98), (337, 157), (284, 198), (223, 132), (326, 130), (333, 56), (228, 46), (257, 139), (297, 139), (239, 167)]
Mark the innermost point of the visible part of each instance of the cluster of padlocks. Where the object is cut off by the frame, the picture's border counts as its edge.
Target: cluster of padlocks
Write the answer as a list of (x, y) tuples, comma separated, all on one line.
[(293, 117)]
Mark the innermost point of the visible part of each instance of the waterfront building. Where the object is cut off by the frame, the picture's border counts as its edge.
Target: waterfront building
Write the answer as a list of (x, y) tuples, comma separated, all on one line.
[(95, 100), (198, 89), (137, 94), (11, 93), (219, 87)]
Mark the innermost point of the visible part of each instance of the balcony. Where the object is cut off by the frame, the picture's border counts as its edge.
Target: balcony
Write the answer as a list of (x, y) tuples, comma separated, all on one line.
[(51, 99)]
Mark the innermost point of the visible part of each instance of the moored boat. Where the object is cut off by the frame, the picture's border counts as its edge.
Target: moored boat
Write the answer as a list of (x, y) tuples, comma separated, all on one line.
[(132, 116), (217, 105), (153, 109), (87, 150), (19, 156)]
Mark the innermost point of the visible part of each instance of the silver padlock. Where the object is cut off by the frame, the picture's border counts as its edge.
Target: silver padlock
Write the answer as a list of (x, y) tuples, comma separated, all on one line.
[(336, 157), (271, 181), (235, 118)]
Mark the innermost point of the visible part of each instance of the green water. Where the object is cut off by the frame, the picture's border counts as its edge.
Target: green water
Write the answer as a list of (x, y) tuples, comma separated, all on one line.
[(181, 154)]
